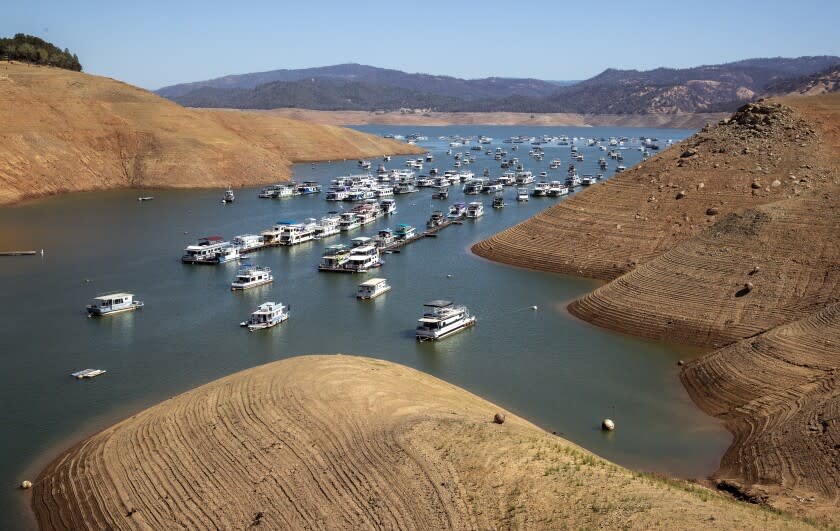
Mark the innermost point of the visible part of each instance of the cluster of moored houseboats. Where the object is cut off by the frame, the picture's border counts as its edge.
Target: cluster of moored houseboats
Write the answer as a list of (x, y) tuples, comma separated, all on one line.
[(372, 193)]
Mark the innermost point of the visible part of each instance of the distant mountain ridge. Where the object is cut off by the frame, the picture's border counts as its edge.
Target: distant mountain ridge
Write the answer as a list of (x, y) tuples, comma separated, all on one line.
[(467, 89), (707, 88)]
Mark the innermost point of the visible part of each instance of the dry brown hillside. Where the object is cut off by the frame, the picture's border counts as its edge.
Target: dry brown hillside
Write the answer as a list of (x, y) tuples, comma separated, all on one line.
[(341, 442), (64, 131), (724, 237)]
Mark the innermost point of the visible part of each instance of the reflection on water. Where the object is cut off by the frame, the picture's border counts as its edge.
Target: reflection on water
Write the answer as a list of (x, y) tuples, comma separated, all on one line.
[(560, 373)]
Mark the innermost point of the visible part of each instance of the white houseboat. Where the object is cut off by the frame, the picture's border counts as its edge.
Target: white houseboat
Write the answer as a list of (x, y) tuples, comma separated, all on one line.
[(372, 288), (541, 189), (292, 233), (388, 206), (247, 242), (442, 319), (206, 251), (250, 276), (457, 210), (267, 314), (113, 303), (349, 221), (475, 210), (363, 257), (556, 189), (522, 194), (327, 226)]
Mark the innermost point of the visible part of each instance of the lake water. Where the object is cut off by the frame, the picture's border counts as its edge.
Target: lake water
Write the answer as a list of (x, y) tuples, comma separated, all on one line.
[(544, 365)]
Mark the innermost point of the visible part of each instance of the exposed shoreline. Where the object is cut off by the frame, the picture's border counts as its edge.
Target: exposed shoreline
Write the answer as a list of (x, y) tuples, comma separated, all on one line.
[(66, 131), (349, 442), (748, 202), (673, 121)]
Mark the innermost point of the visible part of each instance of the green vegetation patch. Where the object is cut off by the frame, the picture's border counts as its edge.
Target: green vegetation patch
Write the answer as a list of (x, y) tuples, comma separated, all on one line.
[(34, 50)]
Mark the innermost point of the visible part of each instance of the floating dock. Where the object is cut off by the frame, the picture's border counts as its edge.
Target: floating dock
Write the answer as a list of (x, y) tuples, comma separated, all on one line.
[(18, 253), (429, 233)]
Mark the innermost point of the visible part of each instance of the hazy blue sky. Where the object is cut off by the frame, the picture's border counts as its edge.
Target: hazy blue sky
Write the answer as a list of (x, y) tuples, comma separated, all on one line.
[(154, 43)]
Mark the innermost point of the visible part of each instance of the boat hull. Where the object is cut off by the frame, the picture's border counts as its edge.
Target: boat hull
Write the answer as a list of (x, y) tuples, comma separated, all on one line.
[(467, 323)]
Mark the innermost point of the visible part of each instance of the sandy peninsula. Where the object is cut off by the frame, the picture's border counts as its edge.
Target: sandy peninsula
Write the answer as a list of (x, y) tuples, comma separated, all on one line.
[(344, 442), (65, 131), (729, 240)]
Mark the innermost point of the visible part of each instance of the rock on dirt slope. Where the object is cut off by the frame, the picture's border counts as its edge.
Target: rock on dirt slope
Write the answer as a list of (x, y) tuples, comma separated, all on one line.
[(724, 237), (65, 131), (342, 442)]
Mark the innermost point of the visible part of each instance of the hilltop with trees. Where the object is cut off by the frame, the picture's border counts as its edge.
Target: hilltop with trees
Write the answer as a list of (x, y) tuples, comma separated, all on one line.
[(30, 49)]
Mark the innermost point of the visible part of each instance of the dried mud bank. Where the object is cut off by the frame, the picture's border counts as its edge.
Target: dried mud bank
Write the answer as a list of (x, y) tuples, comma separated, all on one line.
[(342, 442), (726, 240), (675, 120), (65, 131)]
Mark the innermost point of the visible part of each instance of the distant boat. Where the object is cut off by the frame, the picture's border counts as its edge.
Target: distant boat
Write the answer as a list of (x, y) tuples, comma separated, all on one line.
[(372, 288), (267, 314), (87, 373), (113, 303), (228, 197), (145, 198)]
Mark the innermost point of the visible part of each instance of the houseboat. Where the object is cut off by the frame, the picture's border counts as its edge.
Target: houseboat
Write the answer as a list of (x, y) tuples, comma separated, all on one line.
[(473, 187), (475, 210), (442, 193), (524, 178), (540, 189), (442, 319), (349, 221), (308, 187), (266, 315), (228, 197), (406, 186), (247, 242), (327, 226), (457, 210), (363, 258), (372, 288), (522, 194), (227, 253), (404, 231), (250, 277), (384, 238), (334, 258), (436, 219), (556, 189), (499, 201), (293, 233), (113, 303), (205, 251), (388, 206)]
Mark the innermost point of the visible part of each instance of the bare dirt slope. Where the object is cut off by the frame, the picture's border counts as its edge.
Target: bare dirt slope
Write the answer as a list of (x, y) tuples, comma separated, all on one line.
[(672, 120), (66, 131), (340, 442), (721, 241), (779, 393)]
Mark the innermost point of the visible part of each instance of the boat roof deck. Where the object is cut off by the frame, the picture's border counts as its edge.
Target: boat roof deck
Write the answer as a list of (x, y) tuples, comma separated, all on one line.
[(438, 303), (113, 296), (372, 282)]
